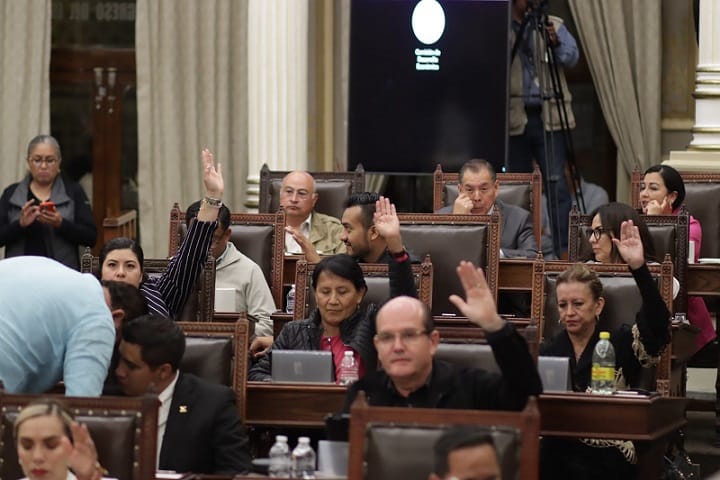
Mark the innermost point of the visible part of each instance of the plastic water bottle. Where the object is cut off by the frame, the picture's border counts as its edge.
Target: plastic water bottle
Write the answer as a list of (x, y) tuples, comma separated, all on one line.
[(303, 459), (290, 305), (280, 458), (348, 369), (603, 366)]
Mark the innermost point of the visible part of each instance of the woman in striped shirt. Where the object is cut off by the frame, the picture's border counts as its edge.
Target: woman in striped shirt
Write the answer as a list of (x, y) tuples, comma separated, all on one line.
[(121, 259)]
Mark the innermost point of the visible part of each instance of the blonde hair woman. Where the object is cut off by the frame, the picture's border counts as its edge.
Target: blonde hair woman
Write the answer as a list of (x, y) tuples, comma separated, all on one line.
[(51, 445)]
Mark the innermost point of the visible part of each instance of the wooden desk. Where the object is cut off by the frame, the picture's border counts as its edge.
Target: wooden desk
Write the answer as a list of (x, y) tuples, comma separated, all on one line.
[(704, 280), (515, 274), (646, 421), (292, 405)]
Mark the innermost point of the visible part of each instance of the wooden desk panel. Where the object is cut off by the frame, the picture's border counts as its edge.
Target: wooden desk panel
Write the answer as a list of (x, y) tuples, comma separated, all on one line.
[(585, 415), (286, 404), (704, 280)]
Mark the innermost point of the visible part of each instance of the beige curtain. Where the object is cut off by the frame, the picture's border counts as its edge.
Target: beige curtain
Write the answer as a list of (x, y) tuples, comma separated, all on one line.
[(622, 41), (24, 81), (192, 94)]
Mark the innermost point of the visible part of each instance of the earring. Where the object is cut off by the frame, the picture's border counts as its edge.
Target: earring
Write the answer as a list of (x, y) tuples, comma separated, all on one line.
[(597, 318)]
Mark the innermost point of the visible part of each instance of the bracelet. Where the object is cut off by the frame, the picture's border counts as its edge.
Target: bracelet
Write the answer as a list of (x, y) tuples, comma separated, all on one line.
[(400, 256), (212, 202)]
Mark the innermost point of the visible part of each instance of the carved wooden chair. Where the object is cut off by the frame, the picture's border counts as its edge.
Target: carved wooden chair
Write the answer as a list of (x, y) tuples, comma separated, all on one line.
[(448, 239), (622, 302), (332, 189), (261, 237), (521, 189), (124, 430), (387, 443), (218, 353)]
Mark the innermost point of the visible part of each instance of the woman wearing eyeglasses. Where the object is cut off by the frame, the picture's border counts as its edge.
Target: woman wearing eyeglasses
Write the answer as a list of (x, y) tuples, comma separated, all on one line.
[(618, 236), (339, 324), (46, 214)]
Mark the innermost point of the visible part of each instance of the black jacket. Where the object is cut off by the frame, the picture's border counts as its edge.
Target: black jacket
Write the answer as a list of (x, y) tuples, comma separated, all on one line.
[(462, 387), (357, 331), (204, 432), (652, 321)]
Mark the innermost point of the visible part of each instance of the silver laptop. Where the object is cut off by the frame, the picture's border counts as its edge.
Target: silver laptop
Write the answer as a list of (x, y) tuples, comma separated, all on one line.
[(555, 374), (302, 366)]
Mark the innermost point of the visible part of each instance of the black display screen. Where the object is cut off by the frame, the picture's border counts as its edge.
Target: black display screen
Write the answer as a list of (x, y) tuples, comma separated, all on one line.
[(413, 105)]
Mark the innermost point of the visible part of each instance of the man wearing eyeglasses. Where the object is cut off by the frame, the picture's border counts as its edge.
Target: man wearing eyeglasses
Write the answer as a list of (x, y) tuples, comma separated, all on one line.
[(406, 342), (307, 231), (478, 189)]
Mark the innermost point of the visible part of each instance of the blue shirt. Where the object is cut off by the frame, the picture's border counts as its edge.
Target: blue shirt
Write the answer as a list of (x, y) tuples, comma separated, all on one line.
[(566, 55), (54, 325)]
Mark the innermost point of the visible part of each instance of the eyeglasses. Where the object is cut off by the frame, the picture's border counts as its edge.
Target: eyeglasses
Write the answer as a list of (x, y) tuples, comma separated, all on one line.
[(596, 233), (407, 337), (49, 161), (302, 194)]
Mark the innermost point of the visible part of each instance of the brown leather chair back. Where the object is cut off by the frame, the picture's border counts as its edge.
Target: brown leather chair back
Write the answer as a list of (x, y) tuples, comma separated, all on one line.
[(468, 355), (376, 278), (448, 239), (521, 189), (622, 302), (332, 189), (217, 353), (261, 237), (124, 431), (200, 304), (387, 443), (703, 202)]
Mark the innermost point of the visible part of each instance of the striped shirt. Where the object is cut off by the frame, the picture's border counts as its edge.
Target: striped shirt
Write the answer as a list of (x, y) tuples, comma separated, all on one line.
[(167, 293)]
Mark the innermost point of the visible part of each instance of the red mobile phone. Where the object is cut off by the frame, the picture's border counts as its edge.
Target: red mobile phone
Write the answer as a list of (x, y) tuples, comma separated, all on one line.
[(47, 206)]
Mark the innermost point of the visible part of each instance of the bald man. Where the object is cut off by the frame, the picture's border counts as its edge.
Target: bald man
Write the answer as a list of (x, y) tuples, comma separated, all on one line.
[(406, 342), (307, 231)]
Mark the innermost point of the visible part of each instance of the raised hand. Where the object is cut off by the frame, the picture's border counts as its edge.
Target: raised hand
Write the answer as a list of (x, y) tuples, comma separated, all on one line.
[(305, 244), (630, 245), (463, 204), (479, 307), (83, 457), (387, 224), (212, 176)]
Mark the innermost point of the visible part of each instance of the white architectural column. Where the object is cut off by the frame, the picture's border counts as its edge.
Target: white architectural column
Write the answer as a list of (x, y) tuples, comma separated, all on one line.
[(703, 153), (277, 89)]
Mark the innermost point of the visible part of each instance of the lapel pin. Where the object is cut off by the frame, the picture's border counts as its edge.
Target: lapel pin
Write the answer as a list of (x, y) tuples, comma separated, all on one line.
[(183, 409)]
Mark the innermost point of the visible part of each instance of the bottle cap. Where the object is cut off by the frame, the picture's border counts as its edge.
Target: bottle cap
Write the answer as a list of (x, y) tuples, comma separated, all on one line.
[(349, 353), (303, 439), (604, 335), (281, 438)]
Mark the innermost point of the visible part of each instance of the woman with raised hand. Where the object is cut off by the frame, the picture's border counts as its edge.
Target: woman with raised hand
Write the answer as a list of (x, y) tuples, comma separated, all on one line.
[(637, 346), (121, 259), (51, 445)]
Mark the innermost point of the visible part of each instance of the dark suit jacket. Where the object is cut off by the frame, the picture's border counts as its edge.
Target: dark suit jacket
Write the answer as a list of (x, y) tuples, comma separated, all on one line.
[(517, 238), (204, 433)]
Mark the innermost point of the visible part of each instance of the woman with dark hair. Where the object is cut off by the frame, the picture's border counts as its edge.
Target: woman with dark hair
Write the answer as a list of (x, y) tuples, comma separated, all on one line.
[(606, 224), (46, 214), (121, 259), (662, 192), (637, 346), (338, 323)]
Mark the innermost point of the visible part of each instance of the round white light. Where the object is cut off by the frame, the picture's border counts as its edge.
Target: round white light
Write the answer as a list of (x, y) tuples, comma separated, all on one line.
[(428, 21)]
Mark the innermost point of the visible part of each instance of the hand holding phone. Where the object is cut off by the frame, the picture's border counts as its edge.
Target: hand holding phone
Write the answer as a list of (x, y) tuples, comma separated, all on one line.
[(47, 206)]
